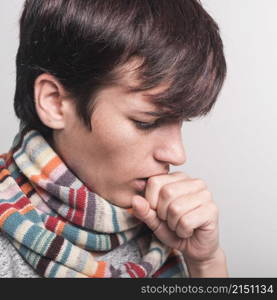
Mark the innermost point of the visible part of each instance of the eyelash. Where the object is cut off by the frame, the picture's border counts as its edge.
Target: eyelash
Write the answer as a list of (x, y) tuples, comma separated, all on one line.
[(145, 125)]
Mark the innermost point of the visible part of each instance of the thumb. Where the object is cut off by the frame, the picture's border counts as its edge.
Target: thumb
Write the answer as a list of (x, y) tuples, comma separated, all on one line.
[(145, 213)]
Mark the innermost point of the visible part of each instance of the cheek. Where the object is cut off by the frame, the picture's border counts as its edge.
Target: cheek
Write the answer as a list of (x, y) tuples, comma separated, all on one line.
[(120, 142)]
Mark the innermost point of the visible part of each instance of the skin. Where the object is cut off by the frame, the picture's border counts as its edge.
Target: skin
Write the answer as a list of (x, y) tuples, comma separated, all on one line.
[(110, 158)]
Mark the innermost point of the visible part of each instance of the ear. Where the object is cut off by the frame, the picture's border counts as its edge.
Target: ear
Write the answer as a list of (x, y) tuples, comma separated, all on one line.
[(51, 101)]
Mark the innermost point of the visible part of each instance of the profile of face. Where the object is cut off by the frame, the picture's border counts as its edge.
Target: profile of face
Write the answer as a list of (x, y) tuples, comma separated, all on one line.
[(124, 147)]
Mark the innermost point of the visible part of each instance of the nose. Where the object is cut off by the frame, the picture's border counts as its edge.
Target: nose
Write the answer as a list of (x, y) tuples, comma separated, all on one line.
[(170, 147)]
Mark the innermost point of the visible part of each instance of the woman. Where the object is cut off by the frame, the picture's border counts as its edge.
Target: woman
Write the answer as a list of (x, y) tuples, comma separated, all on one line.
[(102, 90)]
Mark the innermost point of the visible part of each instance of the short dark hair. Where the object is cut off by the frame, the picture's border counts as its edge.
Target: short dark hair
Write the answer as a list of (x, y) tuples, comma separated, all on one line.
[(82, 42)]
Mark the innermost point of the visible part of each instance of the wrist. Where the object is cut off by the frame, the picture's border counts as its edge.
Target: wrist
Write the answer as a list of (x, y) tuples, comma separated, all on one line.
[(216, 266)]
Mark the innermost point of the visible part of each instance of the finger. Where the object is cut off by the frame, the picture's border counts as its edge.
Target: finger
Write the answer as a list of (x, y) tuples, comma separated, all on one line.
[(180, 207), (155, 183), (173, 190), (204, 218), (143, 212), (164, 234)]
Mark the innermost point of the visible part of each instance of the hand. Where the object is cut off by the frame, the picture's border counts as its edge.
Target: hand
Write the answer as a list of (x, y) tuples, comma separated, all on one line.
[(181, 213)]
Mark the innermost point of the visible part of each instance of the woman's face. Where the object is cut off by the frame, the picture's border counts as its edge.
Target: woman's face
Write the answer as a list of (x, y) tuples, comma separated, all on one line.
[(114, 157)]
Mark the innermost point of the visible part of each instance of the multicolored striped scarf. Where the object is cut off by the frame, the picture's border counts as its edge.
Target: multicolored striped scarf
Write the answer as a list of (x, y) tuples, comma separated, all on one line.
[(58, 224)]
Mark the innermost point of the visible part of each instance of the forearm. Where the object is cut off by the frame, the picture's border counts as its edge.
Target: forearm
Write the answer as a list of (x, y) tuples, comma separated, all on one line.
[(215, 267)]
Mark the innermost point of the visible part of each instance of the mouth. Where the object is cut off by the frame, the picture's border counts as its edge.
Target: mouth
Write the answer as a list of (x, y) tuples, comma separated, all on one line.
[(141, 184)]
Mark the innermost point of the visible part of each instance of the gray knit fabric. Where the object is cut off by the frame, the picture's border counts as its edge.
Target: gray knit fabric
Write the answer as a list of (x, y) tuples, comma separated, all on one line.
[(12, 264)]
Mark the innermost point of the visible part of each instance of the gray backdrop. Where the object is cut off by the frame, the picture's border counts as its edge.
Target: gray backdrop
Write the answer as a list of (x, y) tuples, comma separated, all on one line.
[(234, 149)]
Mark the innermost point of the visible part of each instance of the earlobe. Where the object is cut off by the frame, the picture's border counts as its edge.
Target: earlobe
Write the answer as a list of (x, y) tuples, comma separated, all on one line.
[(49, 95)]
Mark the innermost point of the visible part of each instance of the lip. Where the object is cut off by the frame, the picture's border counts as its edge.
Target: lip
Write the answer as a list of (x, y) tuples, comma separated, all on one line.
[(155, 174), (140, 184)]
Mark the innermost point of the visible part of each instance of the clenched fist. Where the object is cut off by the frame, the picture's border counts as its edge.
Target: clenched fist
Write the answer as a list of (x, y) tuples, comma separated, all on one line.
[(181, 213)]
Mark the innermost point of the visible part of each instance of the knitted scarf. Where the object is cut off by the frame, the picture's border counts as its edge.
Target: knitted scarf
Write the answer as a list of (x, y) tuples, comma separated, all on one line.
[(58, 224)]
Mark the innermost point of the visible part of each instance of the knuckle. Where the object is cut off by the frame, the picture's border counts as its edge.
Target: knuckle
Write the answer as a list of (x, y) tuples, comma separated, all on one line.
[(201, 183), (185, 223), (188, 234), (207, 194), (167, 191), (174, 209), (184, 232)]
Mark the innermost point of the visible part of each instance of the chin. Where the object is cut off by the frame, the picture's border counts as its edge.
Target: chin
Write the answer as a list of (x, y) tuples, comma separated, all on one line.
[(124, 199), (121, 204), (120, 200), (121, 197)]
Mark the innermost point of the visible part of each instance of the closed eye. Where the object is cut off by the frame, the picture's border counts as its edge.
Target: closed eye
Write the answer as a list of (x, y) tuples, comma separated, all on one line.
[(146, 125)]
